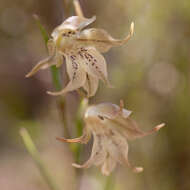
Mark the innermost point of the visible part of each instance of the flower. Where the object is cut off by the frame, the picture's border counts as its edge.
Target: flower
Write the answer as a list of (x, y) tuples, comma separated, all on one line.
[(111, 127), (82, 52)]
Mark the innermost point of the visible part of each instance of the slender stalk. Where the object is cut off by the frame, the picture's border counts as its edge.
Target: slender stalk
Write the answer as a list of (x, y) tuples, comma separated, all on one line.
[(79, 126), (54, 70), (78, 9), (31, 148), (55, 78)]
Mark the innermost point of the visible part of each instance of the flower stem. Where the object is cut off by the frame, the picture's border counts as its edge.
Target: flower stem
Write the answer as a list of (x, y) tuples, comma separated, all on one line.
[(55, 78), (30, 146), (109, 182), (54, 70), (79, 125)]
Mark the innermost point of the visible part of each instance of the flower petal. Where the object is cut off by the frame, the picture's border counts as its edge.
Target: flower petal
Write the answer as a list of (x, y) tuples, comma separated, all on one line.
[(98, 154), (83, 139), (91, 85), (101, 39), (108, 166), (76, 74), (131, 130), (94, 63), (98, 38), (47, 62), (118, 149), (73, 23)]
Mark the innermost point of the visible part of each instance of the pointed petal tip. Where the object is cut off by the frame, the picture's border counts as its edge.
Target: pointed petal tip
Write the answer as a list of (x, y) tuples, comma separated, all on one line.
[(63, 139), (138, 169), (31, 73), (54, 93), (132, 28), (75, 140), (77, 165), (93, 18), (158, 127), (27, 75)]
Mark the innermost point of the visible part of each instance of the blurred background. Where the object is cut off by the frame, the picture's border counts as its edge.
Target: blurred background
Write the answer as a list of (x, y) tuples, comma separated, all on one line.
[(151, 74)]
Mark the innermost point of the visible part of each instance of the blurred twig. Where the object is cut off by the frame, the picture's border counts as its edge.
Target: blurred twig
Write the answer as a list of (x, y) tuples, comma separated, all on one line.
[(30, 146), (78, 9)]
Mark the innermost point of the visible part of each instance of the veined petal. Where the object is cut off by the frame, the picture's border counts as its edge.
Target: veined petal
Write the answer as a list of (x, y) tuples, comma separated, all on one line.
[(101, 39), (91, 85), (131, 130), (119, 150), (98, 38), (76, 74), (94, 63), (98, 154), (73, 23)]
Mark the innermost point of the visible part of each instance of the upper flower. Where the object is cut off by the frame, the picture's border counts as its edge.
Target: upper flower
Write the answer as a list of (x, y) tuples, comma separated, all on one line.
[(81, 50), (111, 127)]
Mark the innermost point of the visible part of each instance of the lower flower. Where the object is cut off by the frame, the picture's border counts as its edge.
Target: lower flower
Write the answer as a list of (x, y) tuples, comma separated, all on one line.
[(111, 127)]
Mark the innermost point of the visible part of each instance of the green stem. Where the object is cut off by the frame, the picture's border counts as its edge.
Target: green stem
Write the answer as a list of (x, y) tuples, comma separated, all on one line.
[(109, 182), (30, 146), (76, 147), (54, 69), (55, 77)]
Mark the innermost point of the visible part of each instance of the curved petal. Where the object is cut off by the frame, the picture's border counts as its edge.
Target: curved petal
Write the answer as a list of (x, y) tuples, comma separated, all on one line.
[(83, 139), (76, 74), (131, 130), (73, 23), (91, 85), (101, 39), (98, 38), (47, 62), (98, 154), (118, 149), (94, 63)]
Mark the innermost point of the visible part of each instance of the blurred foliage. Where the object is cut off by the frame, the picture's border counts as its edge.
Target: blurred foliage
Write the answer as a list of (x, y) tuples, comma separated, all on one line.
[(151, 73)]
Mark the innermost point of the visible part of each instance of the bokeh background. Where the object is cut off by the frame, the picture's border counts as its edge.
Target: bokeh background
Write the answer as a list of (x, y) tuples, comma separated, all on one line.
[(151, 74)]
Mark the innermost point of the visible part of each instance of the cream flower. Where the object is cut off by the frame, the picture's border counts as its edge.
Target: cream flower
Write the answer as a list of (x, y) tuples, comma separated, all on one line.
[(111, 127), (81, 50)]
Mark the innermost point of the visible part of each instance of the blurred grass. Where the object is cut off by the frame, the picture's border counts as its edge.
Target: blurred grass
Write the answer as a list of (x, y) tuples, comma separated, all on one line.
[(31, 148)]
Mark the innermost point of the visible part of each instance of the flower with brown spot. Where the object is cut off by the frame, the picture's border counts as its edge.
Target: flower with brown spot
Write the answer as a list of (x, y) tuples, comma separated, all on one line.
[(111, 127), (82, 52)]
